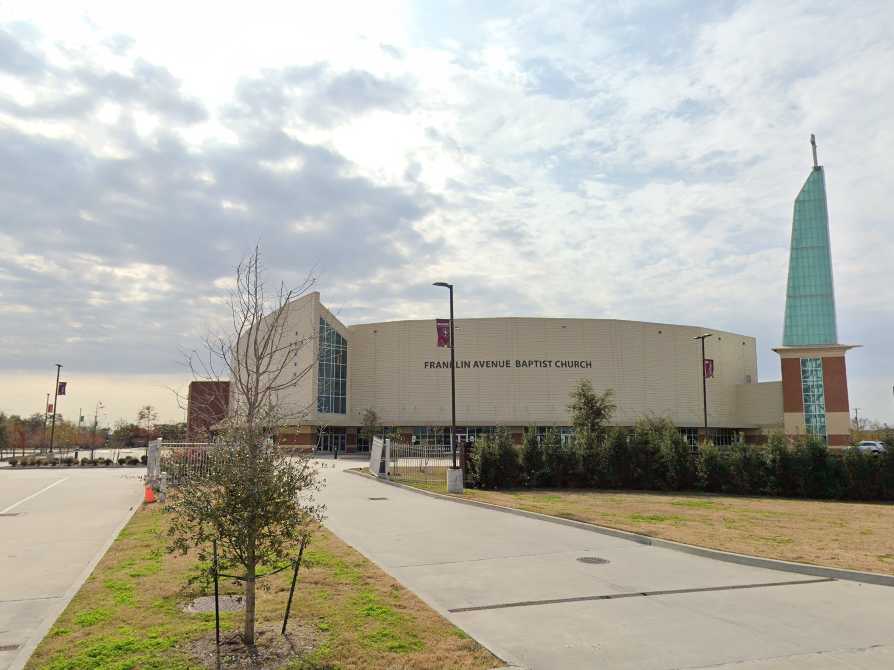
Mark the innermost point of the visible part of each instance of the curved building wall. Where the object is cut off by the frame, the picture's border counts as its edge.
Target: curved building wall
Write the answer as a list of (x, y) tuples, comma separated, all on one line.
[(519, 371)]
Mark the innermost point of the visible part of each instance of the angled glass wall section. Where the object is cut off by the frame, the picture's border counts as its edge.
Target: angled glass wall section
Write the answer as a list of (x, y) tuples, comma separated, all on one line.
[(332, 377), (814, 395), (810, 297)]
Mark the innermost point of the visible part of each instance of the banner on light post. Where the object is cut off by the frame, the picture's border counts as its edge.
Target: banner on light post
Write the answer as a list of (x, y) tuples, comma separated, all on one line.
[(443, 328), (61, 389), (709, 368)]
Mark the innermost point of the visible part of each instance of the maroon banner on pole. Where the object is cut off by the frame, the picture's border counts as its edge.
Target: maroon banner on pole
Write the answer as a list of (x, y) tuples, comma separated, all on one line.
[(62, 386), (709, 368), (443, 328), (50, 408)]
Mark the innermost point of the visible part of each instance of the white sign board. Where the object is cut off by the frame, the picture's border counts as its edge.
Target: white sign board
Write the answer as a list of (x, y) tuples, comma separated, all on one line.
[(376, 452)]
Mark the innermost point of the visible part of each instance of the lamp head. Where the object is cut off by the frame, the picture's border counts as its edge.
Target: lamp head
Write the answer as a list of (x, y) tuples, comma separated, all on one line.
[(703, 336), (443, 283)]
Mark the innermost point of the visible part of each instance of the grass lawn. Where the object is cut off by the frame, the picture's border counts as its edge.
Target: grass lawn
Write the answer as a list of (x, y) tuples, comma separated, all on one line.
[(857, 536), (346, 614)]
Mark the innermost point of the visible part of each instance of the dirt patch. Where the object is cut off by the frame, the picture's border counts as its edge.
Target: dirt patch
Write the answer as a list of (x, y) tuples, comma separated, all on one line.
[(206, 604), (271, 650)]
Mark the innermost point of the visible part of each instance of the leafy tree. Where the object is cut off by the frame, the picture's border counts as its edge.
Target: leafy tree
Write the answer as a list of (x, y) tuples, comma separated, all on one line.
[(591, 412), (256, 501)]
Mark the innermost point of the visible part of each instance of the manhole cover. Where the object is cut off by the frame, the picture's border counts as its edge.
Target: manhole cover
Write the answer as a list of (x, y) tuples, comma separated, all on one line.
[(592, 560), (206, 604), (378, 498)]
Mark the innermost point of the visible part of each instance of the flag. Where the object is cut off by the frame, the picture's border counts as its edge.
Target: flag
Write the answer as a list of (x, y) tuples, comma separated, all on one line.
[(50, 408), (443, 328), (709, 368), (62, 388)]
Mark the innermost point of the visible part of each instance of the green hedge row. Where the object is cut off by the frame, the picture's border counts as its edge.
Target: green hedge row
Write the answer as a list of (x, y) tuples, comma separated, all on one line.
[(654, 456)]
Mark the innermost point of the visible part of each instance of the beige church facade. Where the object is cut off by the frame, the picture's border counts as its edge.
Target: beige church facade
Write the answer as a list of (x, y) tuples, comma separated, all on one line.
[(517, 372)]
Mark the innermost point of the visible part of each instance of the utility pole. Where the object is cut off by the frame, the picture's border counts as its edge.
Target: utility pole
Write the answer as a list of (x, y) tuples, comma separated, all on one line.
[(55, 400)]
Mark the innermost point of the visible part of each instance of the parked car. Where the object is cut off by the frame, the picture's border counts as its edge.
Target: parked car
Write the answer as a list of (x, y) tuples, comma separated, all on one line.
[(872, 447)]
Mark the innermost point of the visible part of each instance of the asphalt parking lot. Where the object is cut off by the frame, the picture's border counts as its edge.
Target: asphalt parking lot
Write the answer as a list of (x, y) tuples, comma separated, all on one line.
[(54, 526)]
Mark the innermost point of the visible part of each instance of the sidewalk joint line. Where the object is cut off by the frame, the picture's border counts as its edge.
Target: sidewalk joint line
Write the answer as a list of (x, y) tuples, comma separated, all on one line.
[(637, 594)]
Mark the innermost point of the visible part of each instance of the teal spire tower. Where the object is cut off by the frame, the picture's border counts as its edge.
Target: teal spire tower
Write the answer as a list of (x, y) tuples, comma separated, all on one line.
[(810, 295)]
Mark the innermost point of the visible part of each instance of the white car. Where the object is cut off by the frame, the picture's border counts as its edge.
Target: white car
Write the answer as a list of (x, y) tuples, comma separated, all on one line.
[(872, 447)]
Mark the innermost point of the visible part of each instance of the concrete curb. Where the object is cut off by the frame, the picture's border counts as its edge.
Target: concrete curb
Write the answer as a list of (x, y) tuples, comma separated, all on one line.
[(716, 554), (21, 658)]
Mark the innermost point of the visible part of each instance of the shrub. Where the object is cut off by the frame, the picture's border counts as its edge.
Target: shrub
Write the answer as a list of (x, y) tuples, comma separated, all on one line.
[(532, 458), (68, 461), (559, 459), (746, 470), (131, 461), (815, 473), (143, 459), (497, 461), (862, 475), (782, 467), (618, 465), (712, 468), (589, 454), (106, 461), (122, 460), (52, 461), (86, 461), (13, 461)]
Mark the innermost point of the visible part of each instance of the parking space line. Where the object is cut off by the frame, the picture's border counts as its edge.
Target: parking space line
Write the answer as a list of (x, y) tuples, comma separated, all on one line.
[(33, 495)]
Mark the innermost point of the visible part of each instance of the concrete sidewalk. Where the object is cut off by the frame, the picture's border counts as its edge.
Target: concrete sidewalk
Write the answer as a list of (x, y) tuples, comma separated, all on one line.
[(519, 587), (54, 525)]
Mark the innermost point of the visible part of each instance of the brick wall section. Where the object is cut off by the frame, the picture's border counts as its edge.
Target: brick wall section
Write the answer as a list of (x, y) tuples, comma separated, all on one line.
[(207, 404), (835, 384), (792, 398)]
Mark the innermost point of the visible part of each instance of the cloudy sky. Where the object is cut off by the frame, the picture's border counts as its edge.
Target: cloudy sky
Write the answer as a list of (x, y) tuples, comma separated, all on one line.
[(633, 160)]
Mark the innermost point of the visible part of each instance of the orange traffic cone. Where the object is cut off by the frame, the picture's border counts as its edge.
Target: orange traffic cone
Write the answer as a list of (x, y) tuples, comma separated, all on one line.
[(150, 495)]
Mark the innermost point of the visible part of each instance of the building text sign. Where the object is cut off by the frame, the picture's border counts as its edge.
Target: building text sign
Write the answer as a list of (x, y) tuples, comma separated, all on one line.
[(509, 363)]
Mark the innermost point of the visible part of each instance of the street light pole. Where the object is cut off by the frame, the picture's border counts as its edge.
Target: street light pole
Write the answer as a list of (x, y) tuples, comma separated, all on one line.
[(703, 337), (452, 376), (55, 401)]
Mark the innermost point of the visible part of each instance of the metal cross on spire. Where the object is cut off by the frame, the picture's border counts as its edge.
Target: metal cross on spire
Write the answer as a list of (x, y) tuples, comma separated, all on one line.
[(813, 146)]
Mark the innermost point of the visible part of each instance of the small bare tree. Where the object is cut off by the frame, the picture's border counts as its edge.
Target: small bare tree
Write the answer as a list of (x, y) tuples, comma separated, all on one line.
[(258, 503), (371, 425)]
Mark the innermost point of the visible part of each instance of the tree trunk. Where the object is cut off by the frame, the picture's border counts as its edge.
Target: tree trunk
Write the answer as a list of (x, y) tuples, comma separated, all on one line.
[(248, 632)]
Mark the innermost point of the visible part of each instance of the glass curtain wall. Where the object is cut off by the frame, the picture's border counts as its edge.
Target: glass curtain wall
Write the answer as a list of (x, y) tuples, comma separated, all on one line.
[(332, 377)]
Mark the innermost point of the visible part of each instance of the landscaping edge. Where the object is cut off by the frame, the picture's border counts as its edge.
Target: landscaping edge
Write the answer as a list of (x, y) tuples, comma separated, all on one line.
[(717, 554), (20, 660)]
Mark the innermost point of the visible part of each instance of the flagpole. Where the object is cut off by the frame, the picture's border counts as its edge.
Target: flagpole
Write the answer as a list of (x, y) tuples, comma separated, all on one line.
[(55, 401)]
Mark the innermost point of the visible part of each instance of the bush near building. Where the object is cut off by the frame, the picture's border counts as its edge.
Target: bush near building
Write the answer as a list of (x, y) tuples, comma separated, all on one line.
[(654, 456)]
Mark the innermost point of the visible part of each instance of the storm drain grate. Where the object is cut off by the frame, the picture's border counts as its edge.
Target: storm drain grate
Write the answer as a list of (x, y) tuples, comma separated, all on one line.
[(9, 647), (378, 498), (593, 560)]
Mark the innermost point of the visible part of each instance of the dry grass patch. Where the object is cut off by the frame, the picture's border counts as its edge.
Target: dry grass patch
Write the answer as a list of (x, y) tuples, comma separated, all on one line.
[(347, 614), (856, 536)]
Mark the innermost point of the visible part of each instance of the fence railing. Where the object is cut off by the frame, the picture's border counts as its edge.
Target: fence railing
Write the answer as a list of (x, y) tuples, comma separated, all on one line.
[(178, 461), (419, 463)]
